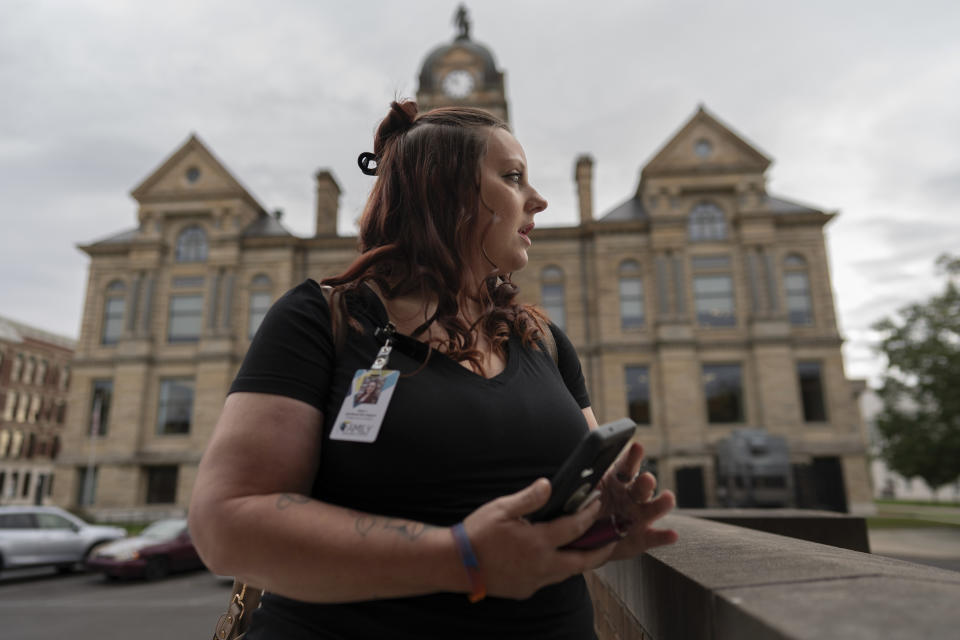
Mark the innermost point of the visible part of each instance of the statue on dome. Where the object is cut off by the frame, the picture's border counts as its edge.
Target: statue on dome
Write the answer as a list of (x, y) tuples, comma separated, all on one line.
[(462, 20)]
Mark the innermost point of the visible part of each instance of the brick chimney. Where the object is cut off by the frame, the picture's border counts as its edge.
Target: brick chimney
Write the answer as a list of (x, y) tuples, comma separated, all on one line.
[(584, 178), (328, 203)]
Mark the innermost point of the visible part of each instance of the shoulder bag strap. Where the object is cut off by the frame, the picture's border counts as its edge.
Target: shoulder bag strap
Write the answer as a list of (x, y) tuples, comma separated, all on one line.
[(549, 343)]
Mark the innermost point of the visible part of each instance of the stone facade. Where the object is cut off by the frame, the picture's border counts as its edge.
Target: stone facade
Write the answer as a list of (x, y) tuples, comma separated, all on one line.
[(34, 378), (703, 300)]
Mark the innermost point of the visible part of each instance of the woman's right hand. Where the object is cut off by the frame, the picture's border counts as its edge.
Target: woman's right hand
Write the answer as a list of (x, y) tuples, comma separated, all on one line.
[(518, 557)]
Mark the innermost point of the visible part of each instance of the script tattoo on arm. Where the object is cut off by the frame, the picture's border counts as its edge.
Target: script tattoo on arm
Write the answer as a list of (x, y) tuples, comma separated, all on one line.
[(364, 523), (406, 528), (287, 500)]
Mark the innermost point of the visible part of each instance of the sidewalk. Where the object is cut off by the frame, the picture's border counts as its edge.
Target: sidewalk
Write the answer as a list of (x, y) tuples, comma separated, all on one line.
[(938, 547), (933, 542)]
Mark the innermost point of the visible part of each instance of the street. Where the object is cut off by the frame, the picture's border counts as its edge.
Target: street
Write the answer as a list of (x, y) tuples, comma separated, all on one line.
[(40, 605)]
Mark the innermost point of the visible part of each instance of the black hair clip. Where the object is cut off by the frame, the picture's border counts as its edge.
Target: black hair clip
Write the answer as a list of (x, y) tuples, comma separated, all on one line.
[(364, 162)]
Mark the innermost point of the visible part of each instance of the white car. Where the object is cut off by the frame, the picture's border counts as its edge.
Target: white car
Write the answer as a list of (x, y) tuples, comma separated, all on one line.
[(38, 536)]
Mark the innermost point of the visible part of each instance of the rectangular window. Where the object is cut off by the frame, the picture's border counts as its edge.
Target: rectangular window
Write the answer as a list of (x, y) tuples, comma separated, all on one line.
[(34, 412), (10, 407), (552, 301), (100, 407), (631, 302), (162, 484), (86, 486), (638, 394), (713, 297), (799, 307), (22, 407), (723, 388), (113, 320), (175, 407), (811, 392), (186, 318), (259, 305)]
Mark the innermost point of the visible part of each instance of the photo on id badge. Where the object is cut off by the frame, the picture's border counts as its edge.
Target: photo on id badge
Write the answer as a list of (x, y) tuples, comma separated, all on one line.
[(362, 411)]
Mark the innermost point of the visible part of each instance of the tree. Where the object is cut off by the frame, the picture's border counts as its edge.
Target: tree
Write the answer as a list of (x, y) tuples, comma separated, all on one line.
[(919, 424)]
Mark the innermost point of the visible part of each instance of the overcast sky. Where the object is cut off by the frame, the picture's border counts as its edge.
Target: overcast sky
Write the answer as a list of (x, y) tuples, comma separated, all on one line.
[(857, 102)]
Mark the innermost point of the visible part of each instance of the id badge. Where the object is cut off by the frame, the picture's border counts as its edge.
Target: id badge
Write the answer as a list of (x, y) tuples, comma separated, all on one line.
[(362, 411)]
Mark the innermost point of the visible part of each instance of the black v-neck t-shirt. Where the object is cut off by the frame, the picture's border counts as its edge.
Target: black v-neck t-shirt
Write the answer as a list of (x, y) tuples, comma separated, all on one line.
[(451, 440)]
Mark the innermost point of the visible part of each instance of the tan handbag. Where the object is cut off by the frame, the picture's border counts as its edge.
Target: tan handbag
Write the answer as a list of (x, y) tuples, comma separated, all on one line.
[(233, 624)]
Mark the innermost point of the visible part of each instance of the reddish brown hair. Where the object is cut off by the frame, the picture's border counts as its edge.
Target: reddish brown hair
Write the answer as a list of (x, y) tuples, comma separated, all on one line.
[(423, 215)]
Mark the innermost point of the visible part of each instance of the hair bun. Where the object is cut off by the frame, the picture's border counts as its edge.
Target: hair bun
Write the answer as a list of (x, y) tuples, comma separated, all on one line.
[(400, 119)]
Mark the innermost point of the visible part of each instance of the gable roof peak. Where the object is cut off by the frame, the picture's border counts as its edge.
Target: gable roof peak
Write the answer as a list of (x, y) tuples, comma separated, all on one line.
[(193, 157), (704, 144)]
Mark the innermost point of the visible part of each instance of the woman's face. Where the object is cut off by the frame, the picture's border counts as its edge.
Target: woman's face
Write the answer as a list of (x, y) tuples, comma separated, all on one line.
[(507, 196)]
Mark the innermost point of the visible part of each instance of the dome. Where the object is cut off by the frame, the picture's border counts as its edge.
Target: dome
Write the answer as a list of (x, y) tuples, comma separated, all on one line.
[(491, 78)]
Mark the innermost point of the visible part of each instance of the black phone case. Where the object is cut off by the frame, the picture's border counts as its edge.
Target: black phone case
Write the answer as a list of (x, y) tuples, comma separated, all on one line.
[(584, 468)]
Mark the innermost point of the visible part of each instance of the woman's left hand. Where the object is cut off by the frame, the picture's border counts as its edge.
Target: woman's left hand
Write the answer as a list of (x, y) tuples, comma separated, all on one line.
[(628, 496)]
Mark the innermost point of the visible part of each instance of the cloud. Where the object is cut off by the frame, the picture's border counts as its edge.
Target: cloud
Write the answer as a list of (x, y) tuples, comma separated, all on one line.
[(855, 102)]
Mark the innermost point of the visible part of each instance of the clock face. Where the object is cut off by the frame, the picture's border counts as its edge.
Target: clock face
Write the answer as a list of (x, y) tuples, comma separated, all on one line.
[(458, 83)]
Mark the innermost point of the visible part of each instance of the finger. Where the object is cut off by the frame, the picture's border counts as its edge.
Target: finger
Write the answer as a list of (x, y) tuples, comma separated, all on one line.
[(526, 500), (643, 488), (659, 507), (573, 561), (565, 529), (660, 537), (629, 464)]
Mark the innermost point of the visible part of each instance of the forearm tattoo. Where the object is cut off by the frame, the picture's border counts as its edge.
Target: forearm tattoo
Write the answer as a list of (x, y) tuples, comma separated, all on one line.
[(364, 523)]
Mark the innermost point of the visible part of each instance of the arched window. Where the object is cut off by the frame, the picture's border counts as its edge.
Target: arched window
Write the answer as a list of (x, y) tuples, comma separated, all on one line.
[(796, 283), (261, 296), (552, 297), (631, 295), (192, 245), (41, 376), (113, 308), (707, 223)]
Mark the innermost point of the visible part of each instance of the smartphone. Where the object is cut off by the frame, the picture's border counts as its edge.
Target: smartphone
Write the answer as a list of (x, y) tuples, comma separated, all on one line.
[(574, 484)]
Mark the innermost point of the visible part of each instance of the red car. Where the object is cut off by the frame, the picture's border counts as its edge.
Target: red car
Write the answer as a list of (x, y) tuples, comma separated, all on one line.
[(163, 547)]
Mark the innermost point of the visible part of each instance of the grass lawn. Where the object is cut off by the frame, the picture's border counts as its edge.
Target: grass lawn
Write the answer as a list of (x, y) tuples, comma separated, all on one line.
[(894, 522), (916, 503)]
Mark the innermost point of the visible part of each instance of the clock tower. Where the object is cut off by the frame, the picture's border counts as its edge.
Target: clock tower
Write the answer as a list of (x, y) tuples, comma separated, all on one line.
[(462, 72)]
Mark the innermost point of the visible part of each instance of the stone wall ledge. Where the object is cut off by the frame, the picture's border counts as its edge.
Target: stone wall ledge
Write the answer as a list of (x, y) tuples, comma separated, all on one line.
[(726, 582), (826, 527)]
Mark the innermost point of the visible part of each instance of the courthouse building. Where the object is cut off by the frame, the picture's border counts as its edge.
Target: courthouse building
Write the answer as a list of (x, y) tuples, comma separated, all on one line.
[(700, 305)]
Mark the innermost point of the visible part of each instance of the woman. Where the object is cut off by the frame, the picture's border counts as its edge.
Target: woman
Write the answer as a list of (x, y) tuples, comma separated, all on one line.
[(370, 527)]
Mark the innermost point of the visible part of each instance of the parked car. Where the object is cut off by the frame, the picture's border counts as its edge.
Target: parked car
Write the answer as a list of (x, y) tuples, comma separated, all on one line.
[(163, 547), (38, 536)]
